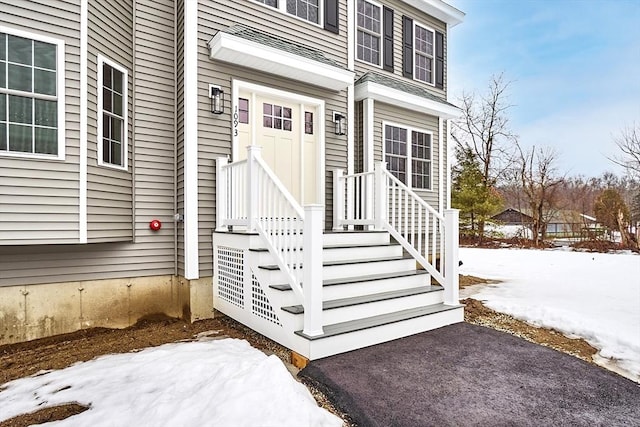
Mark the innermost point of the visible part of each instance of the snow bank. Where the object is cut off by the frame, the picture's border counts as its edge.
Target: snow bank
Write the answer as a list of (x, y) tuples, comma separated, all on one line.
[(220, 382), (593, 296)]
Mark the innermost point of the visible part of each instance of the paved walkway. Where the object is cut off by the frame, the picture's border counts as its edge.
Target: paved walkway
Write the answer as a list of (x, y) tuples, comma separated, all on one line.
[(468, 375)]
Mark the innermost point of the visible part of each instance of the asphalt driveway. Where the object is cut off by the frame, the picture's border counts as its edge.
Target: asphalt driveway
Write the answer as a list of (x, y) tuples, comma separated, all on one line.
[(468, 375)]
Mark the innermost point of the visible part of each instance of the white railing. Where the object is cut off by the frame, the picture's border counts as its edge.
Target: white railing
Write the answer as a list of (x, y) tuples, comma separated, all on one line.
[(379, 199), (250, 196)]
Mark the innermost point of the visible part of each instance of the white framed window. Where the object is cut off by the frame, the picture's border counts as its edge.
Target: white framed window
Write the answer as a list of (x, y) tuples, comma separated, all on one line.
[(112, 114), (423, 53), (369, 32), (31, 95), (408, 153), (307, 10)]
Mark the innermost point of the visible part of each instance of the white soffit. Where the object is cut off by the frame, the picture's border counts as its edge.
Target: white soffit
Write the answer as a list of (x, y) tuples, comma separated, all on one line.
[(406, 100), (439, 9), (237, 50)]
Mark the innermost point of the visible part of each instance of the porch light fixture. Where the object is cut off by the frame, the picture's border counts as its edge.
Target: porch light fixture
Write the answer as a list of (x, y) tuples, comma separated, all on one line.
[(216, 94), (340, 122)]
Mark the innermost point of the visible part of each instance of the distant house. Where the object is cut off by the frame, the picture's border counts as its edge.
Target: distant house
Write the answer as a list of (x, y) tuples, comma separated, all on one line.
[(513, 216), (562, 223)]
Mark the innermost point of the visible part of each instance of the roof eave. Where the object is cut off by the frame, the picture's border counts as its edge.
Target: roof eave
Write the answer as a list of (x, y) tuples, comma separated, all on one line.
[(439, 9), (237, 50), (388, 95)]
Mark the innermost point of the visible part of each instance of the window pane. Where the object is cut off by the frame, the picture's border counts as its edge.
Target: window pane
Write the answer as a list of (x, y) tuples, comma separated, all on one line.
[(19, 78), (286, 112), (20, 138), (3, 137), (46, 141), (46, 113), (243, 110), (106, 76), (20, 50), (44, 55), (3, 46), (106, 126), (117, 104), (106, 150), (266, 108), (291, 6), (107, 100), (44, 82), (277, 123), (3, 74), (116, 153), (117, 81), (20, 109), (116, 129), (3, 107), (267, 122), (277, 111), (286, 124)]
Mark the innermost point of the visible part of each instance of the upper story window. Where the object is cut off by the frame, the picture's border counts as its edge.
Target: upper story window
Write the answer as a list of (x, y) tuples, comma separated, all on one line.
[(309, 10), (369, 32), (112, 114), (31, 82), (408, 153), (423, 54)]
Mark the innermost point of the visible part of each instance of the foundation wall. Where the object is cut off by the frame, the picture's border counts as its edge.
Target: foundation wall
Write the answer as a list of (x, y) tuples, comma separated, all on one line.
[(29, 312)]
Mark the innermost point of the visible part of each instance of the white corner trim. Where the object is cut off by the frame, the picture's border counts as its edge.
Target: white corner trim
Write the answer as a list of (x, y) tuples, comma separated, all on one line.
[(237, 50), (351, 105), (367, 149), (406, 100), (449, 162), (82, 198), (439, 9), (441, 186), (190, 181)]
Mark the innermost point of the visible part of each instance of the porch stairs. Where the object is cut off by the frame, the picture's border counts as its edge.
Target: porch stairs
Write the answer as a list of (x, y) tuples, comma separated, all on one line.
[(371, 293)]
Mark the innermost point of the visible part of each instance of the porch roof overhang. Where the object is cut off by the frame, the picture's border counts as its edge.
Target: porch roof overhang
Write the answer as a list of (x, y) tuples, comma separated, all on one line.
[(263, 52), (403, 94)]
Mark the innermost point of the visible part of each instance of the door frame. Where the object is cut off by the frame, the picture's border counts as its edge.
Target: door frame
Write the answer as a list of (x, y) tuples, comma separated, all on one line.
[(319, 104)]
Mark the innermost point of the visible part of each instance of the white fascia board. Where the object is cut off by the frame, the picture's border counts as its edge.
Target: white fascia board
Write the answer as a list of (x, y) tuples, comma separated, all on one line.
[(406, 100), (439, 9), (237, 50)]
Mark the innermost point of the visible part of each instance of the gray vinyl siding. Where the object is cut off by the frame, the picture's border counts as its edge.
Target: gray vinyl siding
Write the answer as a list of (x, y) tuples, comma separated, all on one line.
[(109, 190), (153, 253), (180, 130), (402, 9), (39, 198), (390, 113), (214, 132)]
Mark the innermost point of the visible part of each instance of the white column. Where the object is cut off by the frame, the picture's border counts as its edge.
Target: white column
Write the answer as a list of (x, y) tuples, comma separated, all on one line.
[(253, 153), (380, 188), (312, 269), (338, 199), (221, 193), (451, 287)]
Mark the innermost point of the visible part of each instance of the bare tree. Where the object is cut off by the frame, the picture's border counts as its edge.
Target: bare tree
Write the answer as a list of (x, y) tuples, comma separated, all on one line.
[(539, 179), (484, 131), (629, 144)]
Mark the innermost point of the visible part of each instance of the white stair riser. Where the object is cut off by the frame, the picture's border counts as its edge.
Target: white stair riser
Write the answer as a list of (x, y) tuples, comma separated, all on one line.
[(329, 239), (363, 252), (357, 270), (367, 337)]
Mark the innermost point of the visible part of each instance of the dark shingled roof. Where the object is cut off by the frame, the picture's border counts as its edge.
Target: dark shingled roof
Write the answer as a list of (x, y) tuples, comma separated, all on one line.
[(400, 85), (266, 39)]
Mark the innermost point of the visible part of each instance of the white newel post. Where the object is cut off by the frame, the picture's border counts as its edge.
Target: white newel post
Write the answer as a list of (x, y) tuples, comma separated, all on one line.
[(338, 198), (451, 289), (312, 269), (380, 198), (221, 192), (253, 152)]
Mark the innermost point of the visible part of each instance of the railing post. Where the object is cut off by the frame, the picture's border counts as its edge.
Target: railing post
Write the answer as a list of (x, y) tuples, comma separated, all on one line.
[(312, 269), (451, 288), (380, 199), (338, 198), (221, 193), (253, 152)]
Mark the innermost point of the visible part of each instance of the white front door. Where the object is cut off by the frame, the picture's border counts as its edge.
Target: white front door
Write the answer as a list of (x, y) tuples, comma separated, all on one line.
[(287, 132)]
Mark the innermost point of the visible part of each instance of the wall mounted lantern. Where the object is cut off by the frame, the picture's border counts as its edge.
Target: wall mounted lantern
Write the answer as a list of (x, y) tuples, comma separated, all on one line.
[(340, 122), (216, 94)]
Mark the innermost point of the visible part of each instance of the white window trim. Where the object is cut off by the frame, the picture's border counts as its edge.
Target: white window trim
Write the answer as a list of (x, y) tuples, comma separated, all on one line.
[(433, 57), (125, 97), (380, 35), (282, 8), (409, 172), (60, 94)]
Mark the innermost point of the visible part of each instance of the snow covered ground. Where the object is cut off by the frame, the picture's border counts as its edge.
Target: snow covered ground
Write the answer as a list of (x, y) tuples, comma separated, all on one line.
[(222, 382), (590, 295)]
